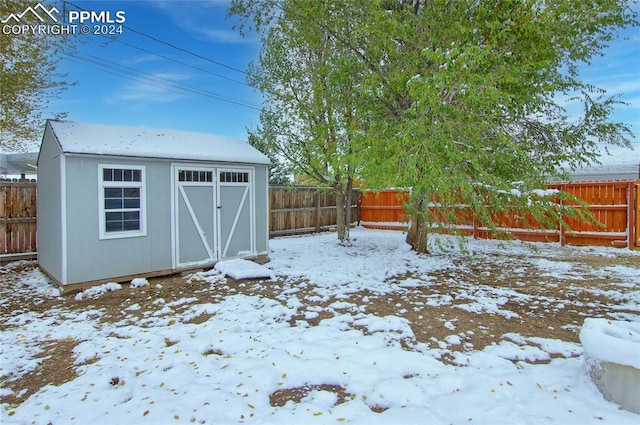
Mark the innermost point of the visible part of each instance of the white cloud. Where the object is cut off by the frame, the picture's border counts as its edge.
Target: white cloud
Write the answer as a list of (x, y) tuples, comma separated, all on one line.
[(152, 88), (203, 19)]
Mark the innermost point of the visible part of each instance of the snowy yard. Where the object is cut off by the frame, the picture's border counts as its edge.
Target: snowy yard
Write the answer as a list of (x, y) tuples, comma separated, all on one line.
[(370, 333)]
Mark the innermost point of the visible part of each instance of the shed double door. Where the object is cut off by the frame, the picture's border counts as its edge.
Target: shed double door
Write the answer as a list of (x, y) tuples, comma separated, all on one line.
[(212, 215)]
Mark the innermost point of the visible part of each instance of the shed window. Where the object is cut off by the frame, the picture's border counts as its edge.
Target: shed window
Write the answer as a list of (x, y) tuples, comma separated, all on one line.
[(121, 201), (234, 177), (195, 176)]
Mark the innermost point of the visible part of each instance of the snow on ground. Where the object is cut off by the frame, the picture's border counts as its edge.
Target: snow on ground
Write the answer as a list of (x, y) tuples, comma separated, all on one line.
[(238, 268), (162, 368)]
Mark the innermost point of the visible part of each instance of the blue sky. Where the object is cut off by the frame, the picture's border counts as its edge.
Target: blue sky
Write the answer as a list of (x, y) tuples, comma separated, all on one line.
[(162, 87), (134, 80)]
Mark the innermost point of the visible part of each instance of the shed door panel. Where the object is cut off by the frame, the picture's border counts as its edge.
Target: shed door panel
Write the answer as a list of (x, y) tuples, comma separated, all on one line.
[(236, 212), (195, 227)]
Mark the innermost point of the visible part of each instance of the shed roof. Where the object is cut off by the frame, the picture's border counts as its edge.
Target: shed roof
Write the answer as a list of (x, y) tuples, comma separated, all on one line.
[(99, 139)]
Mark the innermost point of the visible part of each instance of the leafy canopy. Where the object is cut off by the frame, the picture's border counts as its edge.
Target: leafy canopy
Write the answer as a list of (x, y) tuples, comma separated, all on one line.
[(28, 78), (459, 100)]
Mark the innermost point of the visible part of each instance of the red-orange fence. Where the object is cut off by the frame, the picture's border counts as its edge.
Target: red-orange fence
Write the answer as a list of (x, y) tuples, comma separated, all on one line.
[(614, 204)]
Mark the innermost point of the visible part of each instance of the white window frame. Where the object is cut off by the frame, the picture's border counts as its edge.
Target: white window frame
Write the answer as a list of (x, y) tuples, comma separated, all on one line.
[(102, 184)]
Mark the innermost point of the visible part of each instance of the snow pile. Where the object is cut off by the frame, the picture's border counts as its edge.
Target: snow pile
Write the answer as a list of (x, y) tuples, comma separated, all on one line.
[(612, 358), (243, 269), (138, 282), (96, 291), (612, 341)]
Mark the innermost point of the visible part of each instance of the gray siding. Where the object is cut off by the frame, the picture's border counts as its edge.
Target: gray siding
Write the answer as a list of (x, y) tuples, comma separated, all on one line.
[(49, 206), (90, 258), (261, 191)]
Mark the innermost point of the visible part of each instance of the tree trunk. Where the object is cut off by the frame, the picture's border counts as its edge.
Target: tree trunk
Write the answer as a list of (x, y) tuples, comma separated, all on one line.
[(342, 229), (343, 207), (417, 234)]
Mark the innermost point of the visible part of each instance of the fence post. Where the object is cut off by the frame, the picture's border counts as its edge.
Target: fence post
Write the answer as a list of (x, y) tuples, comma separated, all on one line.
[(476, 225), (318, 211), (563, 188), (637, 224), (631, 209)]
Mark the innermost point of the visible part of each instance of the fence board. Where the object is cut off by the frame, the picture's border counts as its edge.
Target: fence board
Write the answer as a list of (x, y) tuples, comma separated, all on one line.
[(304, 209), (384, 209), (612, 203), (17, 216)]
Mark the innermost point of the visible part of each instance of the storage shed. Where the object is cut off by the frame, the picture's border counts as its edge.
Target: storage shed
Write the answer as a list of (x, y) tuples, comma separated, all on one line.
[(121, 202)]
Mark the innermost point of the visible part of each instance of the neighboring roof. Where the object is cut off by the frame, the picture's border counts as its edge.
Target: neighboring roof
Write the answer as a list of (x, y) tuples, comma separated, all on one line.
[(18, 163), (605, 173), (616, 163), (98, 139)]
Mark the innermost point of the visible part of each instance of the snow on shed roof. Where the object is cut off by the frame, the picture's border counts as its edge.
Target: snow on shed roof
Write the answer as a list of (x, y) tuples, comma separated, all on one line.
[(100, 139)]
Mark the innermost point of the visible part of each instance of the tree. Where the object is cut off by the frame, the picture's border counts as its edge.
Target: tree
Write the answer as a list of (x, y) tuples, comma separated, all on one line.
[(309, 113), (28, 78), (455, 99), (465, 111)]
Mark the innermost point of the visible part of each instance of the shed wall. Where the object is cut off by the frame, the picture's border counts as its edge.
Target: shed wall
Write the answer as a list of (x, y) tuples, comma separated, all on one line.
[(49, 207), (89, 257)]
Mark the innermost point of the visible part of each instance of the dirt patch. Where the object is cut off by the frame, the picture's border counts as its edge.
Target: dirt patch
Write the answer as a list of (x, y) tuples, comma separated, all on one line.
[(281, 397), (55, 368)]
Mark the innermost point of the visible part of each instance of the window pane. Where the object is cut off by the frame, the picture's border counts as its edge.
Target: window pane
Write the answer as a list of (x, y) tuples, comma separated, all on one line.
[(114, 216), (113, 192), (114, 226), (128, 175), (131, 215), (131, 192), (209, 176), (107, 174), (131, 203), (131, 225), (137, 176), (117, 175), (110, 203)]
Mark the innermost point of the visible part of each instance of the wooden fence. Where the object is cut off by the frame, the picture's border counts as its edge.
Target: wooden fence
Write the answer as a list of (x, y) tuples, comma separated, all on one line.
[(614, 204), (301, 210), (304, 209), (17, 216)]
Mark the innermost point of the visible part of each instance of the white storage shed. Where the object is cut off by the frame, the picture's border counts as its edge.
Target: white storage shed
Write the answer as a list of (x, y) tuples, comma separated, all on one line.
[(121, 202)]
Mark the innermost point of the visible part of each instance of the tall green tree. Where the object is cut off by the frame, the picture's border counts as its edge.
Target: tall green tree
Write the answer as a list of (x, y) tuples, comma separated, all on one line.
[(465, 110), (28, 78), (306, 77), (455, 99)]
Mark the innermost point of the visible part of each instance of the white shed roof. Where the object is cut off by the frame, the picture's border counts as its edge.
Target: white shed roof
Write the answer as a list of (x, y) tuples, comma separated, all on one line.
[(99, 139)]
